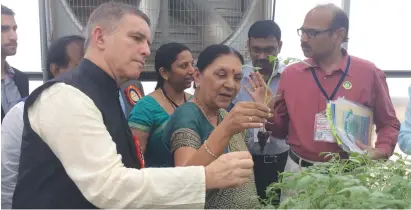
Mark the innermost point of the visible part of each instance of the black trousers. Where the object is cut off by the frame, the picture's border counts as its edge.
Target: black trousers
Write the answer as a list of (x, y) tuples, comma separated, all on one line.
[(266, 170)]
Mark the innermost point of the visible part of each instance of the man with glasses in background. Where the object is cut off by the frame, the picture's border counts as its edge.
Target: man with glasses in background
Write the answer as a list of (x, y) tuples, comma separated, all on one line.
[(329, 73), (77, 149), (264, 40)]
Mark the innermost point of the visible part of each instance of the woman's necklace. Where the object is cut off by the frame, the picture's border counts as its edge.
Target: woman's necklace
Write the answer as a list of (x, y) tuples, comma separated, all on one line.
[(211, 122), (203, 110), (175, 106)]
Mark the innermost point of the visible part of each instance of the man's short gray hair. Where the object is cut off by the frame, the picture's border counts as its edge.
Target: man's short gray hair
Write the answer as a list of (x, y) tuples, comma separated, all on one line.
[(340, 18), (108, 15)]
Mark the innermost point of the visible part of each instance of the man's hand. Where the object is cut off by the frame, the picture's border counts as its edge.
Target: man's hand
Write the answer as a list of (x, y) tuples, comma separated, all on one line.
[(372, 152), (229, 170), (258, 88)]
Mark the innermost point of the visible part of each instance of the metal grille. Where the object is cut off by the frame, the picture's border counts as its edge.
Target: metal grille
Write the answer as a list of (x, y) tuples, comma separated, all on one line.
[(195, 23), (83, 8)]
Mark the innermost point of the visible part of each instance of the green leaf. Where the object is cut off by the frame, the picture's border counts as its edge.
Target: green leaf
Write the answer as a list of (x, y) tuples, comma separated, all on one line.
[(352, 182), (355, 191), (332, 206), (303, 182), (357, 183), (330, 200), (271, 58), (395, 204)]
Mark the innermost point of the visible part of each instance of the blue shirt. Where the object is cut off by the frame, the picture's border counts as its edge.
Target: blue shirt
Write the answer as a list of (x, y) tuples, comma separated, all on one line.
[(123, 106), (404, 137), (10, 94), (274, 146)]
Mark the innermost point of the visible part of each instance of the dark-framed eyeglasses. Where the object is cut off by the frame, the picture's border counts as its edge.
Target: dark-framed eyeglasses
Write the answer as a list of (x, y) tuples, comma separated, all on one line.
[(312, 33)]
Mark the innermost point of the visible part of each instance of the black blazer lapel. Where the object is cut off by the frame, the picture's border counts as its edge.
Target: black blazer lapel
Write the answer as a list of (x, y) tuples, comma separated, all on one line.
[(22, 82), (2, 114)]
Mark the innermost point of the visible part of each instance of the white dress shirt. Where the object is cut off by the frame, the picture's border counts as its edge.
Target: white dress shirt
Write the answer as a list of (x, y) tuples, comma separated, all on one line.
[(11, 133), (72, 126)]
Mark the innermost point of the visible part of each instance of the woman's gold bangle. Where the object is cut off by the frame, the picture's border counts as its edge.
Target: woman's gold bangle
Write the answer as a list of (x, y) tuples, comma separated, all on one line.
[(208, 150)]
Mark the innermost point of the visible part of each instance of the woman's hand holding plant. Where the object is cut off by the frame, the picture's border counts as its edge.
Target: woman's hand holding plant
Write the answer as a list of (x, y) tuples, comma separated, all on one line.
[(245, 115)]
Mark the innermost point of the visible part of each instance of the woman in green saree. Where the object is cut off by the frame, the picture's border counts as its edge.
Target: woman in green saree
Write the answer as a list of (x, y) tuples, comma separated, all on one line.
[(174, 69), (201, 130)]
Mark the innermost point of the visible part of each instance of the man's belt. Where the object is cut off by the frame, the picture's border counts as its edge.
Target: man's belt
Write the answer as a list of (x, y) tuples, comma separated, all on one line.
[(269, 158), (297, 160)]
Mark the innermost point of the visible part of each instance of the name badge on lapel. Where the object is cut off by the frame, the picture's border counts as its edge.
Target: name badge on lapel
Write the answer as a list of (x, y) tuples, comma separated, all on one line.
[(133, 94)]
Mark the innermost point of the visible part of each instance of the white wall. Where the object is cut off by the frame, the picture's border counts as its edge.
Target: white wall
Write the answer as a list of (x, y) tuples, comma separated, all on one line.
[(28, 57), (379, 31)]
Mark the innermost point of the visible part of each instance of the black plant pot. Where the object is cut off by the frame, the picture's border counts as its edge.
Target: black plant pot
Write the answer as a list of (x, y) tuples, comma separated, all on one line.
[(263, 138)]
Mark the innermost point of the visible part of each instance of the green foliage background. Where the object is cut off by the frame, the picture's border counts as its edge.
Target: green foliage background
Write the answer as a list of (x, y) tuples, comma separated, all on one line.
[(357, 183)]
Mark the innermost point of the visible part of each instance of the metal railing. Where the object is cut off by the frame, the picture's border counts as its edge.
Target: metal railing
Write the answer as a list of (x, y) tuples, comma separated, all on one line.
[(149, 75)]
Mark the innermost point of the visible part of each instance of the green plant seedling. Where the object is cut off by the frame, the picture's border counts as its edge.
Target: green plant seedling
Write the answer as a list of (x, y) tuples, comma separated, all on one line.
[(354, 183), (263, 135)]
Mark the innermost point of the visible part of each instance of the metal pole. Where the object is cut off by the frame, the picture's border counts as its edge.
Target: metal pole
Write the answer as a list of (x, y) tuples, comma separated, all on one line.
[(43, 38), (164, 15), (266, 10), (273, 10), (345, 4)]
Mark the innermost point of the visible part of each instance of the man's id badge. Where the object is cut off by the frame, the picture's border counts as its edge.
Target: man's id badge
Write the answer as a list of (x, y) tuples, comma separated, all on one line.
[(322, 129)]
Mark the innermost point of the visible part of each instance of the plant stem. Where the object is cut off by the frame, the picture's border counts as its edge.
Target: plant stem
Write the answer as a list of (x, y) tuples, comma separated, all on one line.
[(267, 86)]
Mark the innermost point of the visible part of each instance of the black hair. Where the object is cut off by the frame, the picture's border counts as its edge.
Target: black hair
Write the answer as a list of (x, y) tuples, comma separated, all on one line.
[(6, 11), (57, 53), (340, 18), (264, 29), (166, 55), (212, 52)]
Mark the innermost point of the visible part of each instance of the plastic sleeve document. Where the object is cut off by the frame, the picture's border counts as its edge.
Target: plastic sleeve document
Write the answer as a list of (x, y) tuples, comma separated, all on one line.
[(350, 121)]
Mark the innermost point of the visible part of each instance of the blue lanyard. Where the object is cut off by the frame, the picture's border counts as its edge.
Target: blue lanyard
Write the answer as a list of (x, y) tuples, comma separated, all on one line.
[(339, 82)]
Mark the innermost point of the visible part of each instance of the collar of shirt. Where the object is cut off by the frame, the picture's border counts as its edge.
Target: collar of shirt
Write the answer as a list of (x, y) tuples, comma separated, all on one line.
[(122, 104), (9, 70), (249, 68), (275, 146), (341, 66), (243, 95)]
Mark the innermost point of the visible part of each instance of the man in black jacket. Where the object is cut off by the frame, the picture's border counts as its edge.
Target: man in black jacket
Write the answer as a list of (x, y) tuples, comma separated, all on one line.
[(77, 151), (14, 83)]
